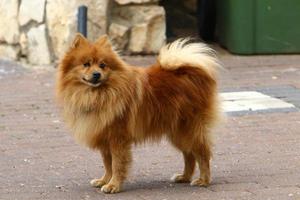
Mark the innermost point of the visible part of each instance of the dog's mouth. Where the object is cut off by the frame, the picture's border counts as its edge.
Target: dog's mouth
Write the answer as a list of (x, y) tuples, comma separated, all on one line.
[(92, 82)]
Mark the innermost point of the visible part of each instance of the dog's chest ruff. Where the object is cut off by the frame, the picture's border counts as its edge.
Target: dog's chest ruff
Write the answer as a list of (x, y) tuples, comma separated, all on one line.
[(89, 119)]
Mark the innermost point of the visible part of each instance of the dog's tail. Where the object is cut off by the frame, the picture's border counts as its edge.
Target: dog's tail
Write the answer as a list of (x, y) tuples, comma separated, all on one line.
[(184, 53)]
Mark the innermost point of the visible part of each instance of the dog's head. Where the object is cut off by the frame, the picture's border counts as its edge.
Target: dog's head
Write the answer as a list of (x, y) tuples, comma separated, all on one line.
[(89, 63)]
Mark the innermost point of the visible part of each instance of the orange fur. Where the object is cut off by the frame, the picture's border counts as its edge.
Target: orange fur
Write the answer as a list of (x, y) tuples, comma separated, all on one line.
[(176, 97)]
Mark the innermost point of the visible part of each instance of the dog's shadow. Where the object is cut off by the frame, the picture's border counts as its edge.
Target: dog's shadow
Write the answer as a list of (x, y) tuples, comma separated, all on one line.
[(165, 186)]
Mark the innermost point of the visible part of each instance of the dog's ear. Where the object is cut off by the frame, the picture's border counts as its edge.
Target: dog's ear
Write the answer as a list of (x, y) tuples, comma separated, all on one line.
[(78, 41), (103, 42)]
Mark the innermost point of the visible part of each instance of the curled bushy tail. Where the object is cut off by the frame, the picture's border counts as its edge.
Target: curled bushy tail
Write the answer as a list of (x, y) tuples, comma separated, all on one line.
[(183, 52)]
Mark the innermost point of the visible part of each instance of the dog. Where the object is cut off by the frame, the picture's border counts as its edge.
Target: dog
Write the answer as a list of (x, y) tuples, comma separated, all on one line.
[(110, 105)]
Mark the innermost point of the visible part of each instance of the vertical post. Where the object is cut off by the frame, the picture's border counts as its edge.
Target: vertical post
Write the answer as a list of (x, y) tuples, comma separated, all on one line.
[(82, 20)]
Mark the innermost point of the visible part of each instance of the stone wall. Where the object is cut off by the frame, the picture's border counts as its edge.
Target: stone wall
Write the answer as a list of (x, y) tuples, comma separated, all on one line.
[(39, 31)]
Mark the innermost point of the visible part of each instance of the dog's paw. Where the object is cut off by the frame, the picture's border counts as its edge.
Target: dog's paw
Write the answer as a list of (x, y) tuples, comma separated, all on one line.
[(97, 182), (110, 188), (200, 182), (180, 178)]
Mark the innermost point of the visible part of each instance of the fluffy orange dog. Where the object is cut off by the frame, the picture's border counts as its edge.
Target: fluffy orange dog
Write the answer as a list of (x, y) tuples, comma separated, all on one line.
[(111, 105)]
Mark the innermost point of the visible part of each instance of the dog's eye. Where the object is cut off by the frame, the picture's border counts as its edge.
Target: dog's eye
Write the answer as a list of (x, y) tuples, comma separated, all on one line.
[(86, 64), (102, 65)]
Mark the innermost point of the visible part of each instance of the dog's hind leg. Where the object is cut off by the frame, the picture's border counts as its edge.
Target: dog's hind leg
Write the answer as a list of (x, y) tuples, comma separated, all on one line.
[(202, 153), (183, 143)]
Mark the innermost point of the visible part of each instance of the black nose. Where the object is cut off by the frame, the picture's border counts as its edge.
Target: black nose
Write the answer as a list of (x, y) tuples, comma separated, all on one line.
[(96, 76)]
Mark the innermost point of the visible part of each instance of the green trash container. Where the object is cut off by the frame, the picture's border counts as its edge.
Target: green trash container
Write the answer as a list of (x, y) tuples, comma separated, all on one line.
[(259, 26)]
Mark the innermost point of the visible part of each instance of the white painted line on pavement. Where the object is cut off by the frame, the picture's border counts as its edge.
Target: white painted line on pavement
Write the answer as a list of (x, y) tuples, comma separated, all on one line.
[(251, 101)]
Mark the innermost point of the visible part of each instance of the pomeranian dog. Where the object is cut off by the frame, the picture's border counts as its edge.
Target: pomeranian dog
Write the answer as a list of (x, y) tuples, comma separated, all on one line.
[(111, 105)]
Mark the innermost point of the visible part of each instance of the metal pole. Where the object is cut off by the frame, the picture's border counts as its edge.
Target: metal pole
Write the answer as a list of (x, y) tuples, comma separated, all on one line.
[(82, 20)]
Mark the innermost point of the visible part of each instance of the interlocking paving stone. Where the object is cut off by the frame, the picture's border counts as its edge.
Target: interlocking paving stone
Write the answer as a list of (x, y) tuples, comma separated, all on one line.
[(256, 156), (286, 93)]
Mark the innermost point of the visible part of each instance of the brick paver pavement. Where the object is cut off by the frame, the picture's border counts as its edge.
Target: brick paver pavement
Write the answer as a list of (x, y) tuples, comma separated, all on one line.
[(256, 156)]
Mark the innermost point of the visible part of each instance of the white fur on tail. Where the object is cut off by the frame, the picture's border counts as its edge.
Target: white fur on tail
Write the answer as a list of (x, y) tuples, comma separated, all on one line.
[(182, 53)]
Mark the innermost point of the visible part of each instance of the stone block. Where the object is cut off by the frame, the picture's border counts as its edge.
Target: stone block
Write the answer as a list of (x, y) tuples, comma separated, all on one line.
[(62, 21), (9, 31), (148, 26), (124, 2), (118, 35), (38, 47), (9, 52), (31, 10)]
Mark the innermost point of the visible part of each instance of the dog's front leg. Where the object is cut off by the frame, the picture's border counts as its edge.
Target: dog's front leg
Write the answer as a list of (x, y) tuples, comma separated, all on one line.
[(107, 161), (121, 159)]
